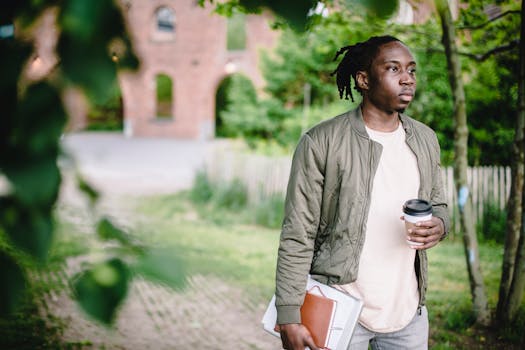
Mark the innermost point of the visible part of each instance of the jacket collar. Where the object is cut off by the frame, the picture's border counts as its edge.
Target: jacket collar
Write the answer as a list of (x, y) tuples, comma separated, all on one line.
[(358, 122), (407, 125)]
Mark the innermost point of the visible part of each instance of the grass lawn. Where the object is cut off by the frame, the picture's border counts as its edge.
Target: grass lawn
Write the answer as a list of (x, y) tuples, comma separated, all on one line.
[(227, 243), (222, 243), (449, 302)]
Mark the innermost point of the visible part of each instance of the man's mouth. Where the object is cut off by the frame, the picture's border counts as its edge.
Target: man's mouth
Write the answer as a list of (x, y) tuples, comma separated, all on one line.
[(407, 95)]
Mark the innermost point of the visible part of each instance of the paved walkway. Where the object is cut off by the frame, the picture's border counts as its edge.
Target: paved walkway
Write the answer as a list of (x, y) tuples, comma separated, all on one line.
[(119, 165)]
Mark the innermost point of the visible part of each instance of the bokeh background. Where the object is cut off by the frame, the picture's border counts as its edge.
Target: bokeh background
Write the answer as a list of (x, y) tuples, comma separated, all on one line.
[(146, 147)]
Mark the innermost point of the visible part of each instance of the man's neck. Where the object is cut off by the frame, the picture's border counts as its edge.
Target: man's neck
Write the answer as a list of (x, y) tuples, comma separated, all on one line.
[(379, 120)]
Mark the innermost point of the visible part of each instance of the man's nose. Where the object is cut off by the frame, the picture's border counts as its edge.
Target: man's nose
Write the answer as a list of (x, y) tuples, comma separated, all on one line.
[(407, 79)]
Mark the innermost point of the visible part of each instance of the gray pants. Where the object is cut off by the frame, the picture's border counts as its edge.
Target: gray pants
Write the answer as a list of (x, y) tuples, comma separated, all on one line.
[(413, 337)]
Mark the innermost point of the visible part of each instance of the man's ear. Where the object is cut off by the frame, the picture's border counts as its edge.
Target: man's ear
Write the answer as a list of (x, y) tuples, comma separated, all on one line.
[(362, 80)]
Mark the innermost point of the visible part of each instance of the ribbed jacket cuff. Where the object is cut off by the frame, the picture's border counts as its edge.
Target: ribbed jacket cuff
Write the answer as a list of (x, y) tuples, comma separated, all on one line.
[(443, 215), (288, 314)]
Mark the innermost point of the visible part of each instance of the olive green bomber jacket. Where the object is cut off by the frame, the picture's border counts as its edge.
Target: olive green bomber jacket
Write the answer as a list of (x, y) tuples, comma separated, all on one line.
[(327, 203)]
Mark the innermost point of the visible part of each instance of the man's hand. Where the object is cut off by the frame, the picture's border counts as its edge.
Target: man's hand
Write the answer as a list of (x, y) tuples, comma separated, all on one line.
[(427, 232), (295, 336)]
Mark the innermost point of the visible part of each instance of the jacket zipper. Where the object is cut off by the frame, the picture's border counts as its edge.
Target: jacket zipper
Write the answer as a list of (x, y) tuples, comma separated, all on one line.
[(367, 198)]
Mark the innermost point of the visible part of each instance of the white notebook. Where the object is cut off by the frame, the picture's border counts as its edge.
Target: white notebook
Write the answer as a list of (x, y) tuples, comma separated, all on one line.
[(343, 323)]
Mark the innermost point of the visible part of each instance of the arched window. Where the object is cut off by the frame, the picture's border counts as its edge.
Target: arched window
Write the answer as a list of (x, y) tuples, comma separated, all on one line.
[(236, 32), (165, 19), (235, 91), (164, 93)]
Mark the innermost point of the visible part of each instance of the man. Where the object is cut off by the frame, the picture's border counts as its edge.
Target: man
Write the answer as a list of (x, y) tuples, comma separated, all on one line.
[(350, 177)]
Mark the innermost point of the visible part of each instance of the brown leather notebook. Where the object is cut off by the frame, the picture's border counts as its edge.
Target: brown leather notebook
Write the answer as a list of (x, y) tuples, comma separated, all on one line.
[(317, 315)]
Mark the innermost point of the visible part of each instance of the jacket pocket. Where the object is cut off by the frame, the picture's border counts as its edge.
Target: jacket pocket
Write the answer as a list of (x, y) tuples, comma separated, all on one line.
[(321, 257), (340, 250)]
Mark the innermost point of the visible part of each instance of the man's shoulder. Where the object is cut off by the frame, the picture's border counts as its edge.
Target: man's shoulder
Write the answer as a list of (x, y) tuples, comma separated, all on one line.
[(419, 127), (330, 127)]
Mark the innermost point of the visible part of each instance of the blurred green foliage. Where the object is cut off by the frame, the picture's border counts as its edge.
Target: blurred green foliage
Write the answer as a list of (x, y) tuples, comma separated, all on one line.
[(306, 58), (218, 201), (102, 288), (492, 225), (299, 14), (202, 189), (107, 114), (230, 195), (236, 31), (492, 90), (269, 211), (164, 100), (240, 114), (92, 46)]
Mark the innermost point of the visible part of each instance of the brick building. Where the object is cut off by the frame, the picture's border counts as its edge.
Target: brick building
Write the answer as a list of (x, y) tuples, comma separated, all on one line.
[(185, 49), (186, 46)]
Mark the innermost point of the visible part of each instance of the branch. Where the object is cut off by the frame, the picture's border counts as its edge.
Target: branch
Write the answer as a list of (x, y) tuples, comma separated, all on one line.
[(479, 26), (499, 49), (484, 56)]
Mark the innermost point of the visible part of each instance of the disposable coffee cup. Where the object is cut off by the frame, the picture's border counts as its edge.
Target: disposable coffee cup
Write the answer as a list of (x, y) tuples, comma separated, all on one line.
[(416, 210)]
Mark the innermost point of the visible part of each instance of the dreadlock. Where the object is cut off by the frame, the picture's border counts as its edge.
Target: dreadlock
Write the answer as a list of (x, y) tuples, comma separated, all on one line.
[(358, 57)]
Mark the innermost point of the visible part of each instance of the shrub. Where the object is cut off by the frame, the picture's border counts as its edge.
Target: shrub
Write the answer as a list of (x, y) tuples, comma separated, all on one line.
[(269, 211), (227, 201), (460, 317), (232, 195), (202, 190), (492, 225), (106, 114)]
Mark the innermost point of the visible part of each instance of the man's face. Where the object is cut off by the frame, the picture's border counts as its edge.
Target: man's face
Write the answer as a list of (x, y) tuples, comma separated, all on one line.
[(391, 81)]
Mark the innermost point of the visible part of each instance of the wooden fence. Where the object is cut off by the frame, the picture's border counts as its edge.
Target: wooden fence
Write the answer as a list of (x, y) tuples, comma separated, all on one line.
[(488, 185), (264, 176)]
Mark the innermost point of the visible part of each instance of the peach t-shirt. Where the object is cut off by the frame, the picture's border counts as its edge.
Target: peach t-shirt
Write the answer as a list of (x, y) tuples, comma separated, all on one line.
[(386, 280)]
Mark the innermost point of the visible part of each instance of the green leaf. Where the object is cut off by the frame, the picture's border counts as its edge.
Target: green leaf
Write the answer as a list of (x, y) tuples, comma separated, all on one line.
[(87, 189), (31, 145), (13, 284), (39, 121), (35, 181), (102, 289), (89, 30), (107, 231), (295, 12), (29, 228), (76, 55), (161, 265), (380, 8)]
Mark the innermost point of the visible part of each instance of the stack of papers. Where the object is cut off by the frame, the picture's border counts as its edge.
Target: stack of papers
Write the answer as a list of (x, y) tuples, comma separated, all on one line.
[(343, 315)]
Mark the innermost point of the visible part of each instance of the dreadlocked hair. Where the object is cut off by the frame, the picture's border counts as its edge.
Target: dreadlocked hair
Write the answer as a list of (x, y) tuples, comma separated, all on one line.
[(357, 57)]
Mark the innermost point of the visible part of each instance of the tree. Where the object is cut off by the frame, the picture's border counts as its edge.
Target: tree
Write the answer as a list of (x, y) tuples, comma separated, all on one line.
[(488, 43), (477, 286), (512, 282)]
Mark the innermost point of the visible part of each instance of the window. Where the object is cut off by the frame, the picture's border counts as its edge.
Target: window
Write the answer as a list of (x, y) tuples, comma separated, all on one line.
[(236, 31), (164, 106), (165, 20)]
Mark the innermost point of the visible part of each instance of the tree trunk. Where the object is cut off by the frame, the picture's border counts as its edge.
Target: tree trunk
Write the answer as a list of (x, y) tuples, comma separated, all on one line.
[(513, 270), (477, 287)]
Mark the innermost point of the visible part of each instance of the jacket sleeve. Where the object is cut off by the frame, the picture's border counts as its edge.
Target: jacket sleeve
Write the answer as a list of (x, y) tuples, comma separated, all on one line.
[(300, 224), (439, 204)]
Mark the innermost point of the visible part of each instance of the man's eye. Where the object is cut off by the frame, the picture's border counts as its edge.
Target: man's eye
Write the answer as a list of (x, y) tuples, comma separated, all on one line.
[(393, 69), (412, 71)]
